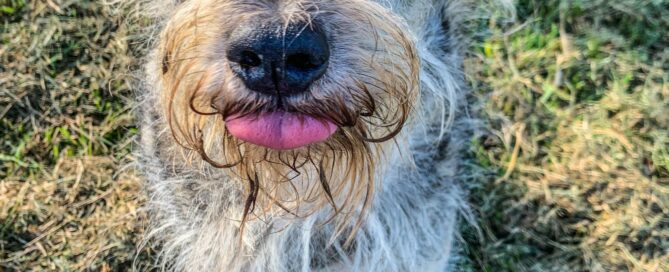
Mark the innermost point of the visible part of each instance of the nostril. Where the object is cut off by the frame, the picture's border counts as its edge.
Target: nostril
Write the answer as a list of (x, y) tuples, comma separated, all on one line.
[(249, 59), (303, 62), (273, 60)]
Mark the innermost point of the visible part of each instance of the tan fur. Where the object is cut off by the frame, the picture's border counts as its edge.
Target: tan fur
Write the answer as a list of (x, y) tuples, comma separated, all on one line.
[(381, 194), (370, 103)]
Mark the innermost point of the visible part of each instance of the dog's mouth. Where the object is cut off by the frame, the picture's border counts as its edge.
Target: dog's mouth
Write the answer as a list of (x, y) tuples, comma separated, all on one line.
[(280, 130)]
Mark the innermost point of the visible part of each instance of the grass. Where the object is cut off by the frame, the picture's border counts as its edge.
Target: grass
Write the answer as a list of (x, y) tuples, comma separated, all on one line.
[(570, 173), (65, 127), (576, 98)]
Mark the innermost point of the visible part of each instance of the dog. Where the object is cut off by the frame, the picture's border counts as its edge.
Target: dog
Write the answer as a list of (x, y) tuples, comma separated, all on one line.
[(305, 135)]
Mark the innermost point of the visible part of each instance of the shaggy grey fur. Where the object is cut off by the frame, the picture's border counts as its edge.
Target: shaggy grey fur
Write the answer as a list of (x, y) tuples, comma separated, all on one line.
[(411, 225)]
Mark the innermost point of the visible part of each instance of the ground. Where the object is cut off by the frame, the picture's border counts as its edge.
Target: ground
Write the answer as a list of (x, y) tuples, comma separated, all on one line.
[(570, 170)]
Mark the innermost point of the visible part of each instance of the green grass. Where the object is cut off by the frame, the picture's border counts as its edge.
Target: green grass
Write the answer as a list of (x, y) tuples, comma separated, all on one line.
[(65, 127), (576, 97), (571, 172)]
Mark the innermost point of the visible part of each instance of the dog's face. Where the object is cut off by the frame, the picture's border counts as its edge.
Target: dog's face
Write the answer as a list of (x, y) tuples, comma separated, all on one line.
[(283, 93)]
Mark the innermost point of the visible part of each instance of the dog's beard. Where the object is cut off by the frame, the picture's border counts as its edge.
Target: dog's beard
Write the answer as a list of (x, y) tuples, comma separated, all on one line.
[(369, 105), (338, 172)]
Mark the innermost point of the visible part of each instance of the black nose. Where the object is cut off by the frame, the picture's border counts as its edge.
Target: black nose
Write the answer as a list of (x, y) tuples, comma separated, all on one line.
[(272, 59)]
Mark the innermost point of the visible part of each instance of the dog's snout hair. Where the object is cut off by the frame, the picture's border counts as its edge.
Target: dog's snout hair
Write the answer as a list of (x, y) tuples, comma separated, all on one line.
[(377, 195)]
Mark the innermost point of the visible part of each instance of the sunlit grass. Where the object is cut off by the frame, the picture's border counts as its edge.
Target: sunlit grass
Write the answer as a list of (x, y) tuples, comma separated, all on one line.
[(66, 128), (576, 98)]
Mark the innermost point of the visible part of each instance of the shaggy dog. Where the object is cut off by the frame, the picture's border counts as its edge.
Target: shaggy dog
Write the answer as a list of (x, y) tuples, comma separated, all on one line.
[(304, 135)]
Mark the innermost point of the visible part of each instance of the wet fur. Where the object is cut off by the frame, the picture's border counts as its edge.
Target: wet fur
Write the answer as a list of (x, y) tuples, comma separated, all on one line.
[(401, 212)]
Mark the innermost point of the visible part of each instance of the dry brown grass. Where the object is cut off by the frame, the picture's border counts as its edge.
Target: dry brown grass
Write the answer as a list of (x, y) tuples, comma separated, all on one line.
[(79, 216), (576, 94), (65, 128)]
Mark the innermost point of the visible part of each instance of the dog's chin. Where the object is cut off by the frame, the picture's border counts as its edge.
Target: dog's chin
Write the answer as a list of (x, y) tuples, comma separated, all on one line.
[(280, 130)]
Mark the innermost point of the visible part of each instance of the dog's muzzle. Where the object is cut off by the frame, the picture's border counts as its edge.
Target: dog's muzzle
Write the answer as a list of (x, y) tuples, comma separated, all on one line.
[(279, 61)]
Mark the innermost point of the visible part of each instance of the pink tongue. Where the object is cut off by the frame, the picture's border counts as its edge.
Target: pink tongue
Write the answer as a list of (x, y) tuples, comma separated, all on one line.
[(280, 130)]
